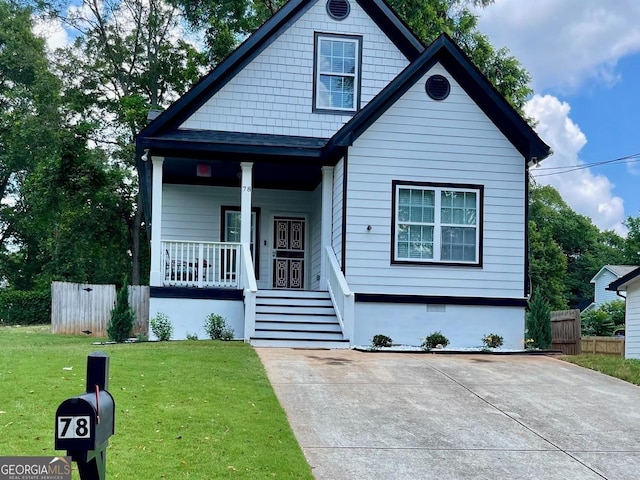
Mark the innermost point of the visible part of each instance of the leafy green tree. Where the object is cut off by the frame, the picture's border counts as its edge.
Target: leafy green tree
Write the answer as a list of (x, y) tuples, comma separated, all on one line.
[(596, 323), (632, 242), (129, 57), (548, 267), (584, 247), (538, 325), (122, 316)]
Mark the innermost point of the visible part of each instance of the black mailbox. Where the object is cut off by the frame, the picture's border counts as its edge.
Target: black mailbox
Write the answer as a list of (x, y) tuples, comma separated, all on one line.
[(85, 422)]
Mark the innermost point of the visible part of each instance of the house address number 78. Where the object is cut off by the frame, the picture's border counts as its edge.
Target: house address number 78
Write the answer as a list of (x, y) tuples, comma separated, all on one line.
[(74, 427)]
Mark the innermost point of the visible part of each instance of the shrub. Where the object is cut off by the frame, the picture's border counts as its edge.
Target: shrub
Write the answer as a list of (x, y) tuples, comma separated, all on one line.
[(493, 340), (597, 323), (161, 326), (381, 341), (216, 325), (539, 322), (227, 334), (192, 336), (435, 340), (25, 308), (122, 316), (615, 310)]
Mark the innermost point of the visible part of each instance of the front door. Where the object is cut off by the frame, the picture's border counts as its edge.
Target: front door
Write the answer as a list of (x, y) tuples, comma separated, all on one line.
[(289, 252)]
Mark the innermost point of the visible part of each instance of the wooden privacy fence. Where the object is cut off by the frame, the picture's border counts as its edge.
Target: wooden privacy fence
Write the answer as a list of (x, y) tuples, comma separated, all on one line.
[(605, 345), (79, 307), (566, 334)]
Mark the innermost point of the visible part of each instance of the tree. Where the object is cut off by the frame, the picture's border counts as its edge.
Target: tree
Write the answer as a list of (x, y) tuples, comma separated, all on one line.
[(538, 326), (122, 316), (548, 267), (127, 60), (584, 247), (632, 242)]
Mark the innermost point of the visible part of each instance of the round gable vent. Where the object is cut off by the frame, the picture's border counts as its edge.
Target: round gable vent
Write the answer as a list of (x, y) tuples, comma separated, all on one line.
[(338, 9), (438, 87)]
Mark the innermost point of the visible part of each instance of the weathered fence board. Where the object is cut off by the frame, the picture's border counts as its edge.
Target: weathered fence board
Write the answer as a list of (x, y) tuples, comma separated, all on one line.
[(604, 345), (78, 308), (565, 328)]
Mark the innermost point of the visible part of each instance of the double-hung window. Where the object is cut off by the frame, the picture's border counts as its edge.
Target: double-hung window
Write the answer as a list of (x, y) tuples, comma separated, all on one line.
[(231, 231), (337, 73), (437, 223)]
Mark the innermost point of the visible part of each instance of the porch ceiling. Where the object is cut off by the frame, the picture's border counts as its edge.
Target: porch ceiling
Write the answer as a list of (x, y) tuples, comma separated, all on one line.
[(225, 173)]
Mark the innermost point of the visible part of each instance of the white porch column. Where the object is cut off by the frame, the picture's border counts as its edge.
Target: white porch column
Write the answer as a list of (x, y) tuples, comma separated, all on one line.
[(325, 222), (156, 223), (245, 202)]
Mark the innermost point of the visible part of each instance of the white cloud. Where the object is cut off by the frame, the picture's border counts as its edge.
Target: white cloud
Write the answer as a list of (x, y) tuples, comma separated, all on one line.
[(52, 31), (587, 193), (565, 43)]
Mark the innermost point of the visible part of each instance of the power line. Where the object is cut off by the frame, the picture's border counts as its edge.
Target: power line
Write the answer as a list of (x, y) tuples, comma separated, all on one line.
[(572, 168)]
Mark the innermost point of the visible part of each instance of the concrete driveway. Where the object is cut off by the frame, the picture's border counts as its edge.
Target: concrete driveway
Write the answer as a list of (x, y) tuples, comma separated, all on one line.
[(417, 416)]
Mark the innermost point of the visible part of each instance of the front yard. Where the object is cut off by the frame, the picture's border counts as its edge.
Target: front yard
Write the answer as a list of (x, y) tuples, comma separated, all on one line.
[(200, 409), (612, 365)]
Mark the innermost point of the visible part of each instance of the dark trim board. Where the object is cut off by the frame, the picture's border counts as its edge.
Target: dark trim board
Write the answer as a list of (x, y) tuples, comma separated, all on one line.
[(196, 293), (439, 300)]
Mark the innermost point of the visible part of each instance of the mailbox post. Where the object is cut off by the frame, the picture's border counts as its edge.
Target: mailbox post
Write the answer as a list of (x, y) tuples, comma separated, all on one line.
[(85, 423)]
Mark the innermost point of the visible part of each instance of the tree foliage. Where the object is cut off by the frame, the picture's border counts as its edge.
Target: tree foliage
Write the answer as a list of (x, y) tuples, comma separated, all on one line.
[(538, 325)]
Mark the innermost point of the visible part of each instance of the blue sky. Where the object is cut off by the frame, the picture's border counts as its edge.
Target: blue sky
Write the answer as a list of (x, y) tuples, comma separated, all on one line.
[(584, 58)]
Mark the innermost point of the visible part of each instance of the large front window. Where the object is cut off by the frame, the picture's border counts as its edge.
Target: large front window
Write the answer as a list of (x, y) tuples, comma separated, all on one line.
[(337, 73), (437, 223)]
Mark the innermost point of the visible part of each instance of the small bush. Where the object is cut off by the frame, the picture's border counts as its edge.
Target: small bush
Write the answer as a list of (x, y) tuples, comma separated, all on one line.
[(539, 322), (216, 325), (122, 316), (192, 336), (161, 326), (596, 323), (142, 337), (493, 340), (227, 334), (435, 340), (381, 341)]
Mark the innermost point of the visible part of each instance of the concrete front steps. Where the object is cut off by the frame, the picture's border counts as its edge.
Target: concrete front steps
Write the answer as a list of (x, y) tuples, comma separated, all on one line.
[(297, 319)]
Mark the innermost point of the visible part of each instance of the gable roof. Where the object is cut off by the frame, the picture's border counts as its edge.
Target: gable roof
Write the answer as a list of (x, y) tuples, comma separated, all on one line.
[(379, 11), (623, 282), (493, 104), (617, 270)]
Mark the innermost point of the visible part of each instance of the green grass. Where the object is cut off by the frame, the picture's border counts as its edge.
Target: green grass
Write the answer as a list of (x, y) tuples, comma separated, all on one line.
[(614, 366), (193, 409)]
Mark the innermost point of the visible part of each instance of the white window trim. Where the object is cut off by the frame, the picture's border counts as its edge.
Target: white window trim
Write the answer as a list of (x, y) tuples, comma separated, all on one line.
[(357, 41), (437, 223)]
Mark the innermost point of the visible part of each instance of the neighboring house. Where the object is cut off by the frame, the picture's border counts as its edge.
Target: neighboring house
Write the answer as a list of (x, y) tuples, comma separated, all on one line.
[(630, 284), (601, 281), (333, 179)]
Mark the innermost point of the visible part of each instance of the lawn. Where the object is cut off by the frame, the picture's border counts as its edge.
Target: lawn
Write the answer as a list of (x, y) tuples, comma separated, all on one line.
[(615, 366), (192, 409)]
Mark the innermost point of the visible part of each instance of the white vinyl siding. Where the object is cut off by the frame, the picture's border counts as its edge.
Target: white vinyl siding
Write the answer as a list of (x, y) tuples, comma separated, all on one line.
[(274, 93), (451, 141), (632, 332), (192, 213)]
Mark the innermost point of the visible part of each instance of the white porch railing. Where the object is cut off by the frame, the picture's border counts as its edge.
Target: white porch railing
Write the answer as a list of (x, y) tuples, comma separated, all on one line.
[(201, 264), (250, 288), (341, 296)]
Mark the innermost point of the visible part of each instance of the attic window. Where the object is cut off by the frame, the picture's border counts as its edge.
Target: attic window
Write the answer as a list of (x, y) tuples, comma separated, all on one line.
[(338, 9), (438, 87)]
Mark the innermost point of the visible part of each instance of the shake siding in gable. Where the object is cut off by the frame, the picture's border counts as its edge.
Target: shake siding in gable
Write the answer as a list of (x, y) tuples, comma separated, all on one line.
[(451, 141), (273, 94)]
